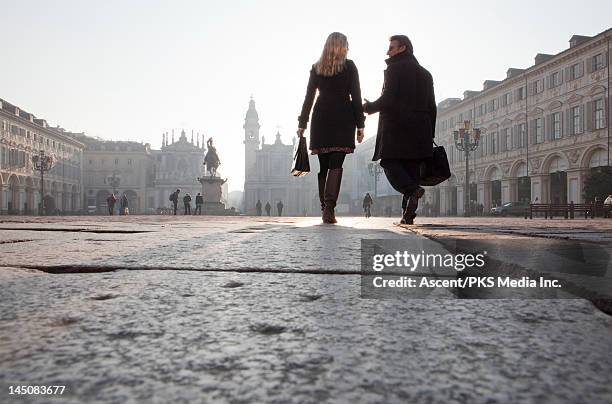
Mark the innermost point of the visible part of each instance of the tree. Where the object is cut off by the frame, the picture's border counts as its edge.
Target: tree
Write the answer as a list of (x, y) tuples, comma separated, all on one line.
[(598, 183)]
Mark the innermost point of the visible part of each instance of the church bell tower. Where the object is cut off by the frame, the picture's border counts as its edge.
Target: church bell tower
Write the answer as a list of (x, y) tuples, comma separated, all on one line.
[(251, 139)]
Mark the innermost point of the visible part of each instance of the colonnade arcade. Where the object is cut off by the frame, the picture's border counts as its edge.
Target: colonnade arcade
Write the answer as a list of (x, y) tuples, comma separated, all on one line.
[(558, 177), (21, 195)]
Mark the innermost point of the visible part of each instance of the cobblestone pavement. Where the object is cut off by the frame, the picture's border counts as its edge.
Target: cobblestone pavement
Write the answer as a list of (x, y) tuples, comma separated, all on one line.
[(238, 309)]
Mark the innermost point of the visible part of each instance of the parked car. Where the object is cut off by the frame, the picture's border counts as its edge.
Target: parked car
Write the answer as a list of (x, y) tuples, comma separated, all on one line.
[(510, 209)]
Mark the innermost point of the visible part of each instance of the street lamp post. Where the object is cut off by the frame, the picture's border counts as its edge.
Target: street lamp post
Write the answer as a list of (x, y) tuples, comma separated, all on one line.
[(375, 170), (42, 163), (114, 181), (467, 140)]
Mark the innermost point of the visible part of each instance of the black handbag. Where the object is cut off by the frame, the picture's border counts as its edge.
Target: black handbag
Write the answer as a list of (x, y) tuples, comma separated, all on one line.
[(301, 164), (435, 169)]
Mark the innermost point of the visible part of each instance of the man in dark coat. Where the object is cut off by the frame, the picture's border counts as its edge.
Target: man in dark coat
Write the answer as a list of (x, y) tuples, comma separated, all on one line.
[(279, 207), (174, 198), (367, 204), (258, 207), (187, 203), (406, 124), (110, 201), (199, 202), (268, 208)]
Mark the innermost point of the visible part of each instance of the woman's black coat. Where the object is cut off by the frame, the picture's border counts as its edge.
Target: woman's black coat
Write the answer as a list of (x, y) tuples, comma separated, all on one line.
[(407, 106), (338, 110)]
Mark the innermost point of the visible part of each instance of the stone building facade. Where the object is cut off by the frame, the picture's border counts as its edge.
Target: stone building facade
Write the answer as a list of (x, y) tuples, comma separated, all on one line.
[(544, 129), (22, 136), (178, 166), (119, 167)]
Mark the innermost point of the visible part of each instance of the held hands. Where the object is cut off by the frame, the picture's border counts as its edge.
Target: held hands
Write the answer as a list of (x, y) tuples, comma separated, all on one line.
[(360, 135), (300, 132), (365, 105)]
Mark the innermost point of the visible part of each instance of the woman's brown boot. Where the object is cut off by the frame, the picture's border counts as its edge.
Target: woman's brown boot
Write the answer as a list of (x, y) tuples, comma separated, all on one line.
[(332, 190)]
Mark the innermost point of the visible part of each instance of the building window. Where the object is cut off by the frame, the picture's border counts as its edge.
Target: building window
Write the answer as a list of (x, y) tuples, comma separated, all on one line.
[(597, 62), (539, 130), (506, 139), (492, 105), (482, 109), (600, 114), (537, 87), (556, 125), (90, 162), (520, 93), (116, 162), (575, 71), (129, 162), (102, 162), (555, 80), (575, 120), (506, 99), (522, 135)]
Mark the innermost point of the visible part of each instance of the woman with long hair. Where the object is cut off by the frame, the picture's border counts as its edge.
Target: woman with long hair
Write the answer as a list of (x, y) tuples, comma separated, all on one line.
[(337, 112)]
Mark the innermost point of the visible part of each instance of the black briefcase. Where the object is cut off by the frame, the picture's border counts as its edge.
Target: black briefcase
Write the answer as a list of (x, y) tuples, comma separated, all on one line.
[(301, 164), (436, 169)]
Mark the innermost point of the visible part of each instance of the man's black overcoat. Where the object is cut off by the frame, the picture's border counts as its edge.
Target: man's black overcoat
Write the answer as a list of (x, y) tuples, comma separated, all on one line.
[(407, 109)]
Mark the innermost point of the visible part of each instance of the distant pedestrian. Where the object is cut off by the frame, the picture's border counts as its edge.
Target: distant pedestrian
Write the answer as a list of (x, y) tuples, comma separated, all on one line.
[(258, 207), (187, 203), (124, 205), (279, 207), (481, 209), (426, 208), (110, 201), (367, 205), (199, 202), (174, 199), (268, 208)]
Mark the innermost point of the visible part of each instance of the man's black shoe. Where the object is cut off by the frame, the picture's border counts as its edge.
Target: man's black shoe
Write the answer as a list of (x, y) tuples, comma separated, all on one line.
[(411, 206)]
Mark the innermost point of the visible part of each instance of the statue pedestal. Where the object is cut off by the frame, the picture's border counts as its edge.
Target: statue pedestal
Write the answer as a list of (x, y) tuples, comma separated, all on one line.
[(211, 191)]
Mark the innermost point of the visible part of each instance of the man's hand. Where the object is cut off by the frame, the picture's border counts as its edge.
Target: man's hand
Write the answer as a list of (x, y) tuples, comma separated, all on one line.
[(300, 132), (360, 135), (366, 105)]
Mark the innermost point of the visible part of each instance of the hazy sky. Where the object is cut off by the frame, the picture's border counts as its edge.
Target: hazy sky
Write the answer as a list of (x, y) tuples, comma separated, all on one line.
[(131, 70)]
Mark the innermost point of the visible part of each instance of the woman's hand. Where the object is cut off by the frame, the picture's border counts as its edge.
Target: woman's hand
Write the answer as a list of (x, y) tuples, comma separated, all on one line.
[(360, 135), (300, 132)]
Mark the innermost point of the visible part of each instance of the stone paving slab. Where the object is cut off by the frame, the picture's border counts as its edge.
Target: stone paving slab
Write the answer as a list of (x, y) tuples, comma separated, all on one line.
[(196, 331)]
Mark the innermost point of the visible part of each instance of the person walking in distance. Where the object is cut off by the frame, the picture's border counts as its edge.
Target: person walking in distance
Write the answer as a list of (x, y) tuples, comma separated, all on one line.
[(174, 199), (336, 115), (279, 208), (199, 202), (268, 208), (110, 201), (406, 126), (187, 203), (258, 207), (367, 204), (124, 205)]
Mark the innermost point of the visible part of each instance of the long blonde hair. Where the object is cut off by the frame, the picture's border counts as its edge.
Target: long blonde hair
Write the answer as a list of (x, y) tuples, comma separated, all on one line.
[(333, 57)]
